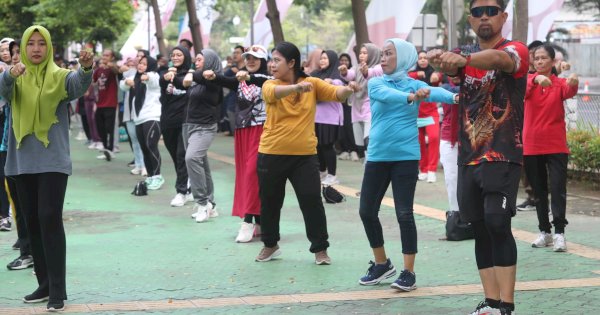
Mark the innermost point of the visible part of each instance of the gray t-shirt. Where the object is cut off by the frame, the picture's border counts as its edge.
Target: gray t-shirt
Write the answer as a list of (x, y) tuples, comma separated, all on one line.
[(32, 157)]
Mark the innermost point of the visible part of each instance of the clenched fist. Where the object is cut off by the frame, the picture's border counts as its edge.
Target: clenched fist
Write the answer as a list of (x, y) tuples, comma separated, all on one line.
[(17, 70)]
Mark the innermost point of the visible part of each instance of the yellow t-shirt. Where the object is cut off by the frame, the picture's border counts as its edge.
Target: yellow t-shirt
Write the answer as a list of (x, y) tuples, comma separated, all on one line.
[(290, 125)]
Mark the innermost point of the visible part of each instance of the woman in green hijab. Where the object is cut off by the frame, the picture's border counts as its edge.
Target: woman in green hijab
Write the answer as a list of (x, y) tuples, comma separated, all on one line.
[(38, 155)]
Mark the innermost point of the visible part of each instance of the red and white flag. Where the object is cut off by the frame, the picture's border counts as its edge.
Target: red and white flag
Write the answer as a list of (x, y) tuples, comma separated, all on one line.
[(262, 27)]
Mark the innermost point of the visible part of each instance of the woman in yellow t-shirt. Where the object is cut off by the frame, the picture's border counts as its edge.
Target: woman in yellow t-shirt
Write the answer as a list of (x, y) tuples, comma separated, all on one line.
[(288, 150)]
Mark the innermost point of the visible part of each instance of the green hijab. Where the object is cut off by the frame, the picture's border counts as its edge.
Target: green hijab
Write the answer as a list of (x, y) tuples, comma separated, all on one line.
[(37, 92)]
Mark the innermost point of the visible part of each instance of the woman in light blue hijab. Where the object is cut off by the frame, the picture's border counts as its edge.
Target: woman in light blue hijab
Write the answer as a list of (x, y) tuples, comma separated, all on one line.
[(394, 156)]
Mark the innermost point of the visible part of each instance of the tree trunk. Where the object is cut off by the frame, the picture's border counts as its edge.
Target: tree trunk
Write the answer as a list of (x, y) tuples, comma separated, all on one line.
[(520, 20), (194, 26), (160, 38), (273, 16), (360, 24)]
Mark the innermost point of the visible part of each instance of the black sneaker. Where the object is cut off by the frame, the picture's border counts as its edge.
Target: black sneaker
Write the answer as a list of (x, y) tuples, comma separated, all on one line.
[(55, 305), (527, 205), (5, 224), (36, 297), (376, 273), (131, 164), (16, 245), (506, 311), (406, 281), (23, 262)]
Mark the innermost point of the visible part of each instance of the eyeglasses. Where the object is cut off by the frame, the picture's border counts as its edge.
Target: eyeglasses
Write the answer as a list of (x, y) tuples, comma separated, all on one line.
[(488, 10)]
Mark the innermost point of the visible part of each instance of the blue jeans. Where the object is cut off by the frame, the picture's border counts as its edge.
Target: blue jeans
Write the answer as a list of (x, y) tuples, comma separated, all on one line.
[(377, 178), (138, 156)]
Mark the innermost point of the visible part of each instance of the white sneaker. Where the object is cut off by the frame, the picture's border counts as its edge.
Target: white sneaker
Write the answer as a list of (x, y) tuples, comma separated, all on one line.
[(189, 197), (201, 213), (178, 200), (422, 176), (92, 146), (245, 233), (322, 175), (81, 136), (431, 177), (136, 171), (344, 156), (101, 157), (560, 244), (99, 146), (330, 180), (212, 210), (116, 149), (354, 156), (144, 171), (543, 240)]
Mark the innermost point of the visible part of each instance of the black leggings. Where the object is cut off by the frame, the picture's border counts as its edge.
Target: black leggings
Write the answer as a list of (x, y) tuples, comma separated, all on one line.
[(105, 123), (148, 135), (173, 139), (248, 218), (327, 158), (22, 233), (42, 197), (494, 241)]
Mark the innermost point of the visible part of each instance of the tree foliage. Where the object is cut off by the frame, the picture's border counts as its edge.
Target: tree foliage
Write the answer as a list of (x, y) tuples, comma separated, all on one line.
[(67, 20), (15, 17), (585, 6), (98, 20)]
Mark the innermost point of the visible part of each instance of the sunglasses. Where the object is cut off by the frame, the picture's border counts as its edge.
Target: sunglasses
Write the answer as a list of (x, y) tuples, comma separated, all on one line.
[(488, 10), (254, 49)]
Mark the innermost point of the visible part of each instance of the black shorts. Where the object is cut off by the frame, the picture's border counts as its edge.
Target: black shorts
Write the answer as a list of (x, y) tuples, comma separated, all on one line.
[(489, 187)]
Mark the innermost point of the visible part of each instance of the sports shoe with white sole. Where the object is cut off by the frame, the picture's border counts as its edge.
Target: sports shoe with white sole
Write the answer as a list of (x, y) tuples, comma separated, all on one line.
[(431, 177), (268, 253), (484, 309), (245, 233), (330, 180), (406, 282), (377, 273), (178, 200), (544, 239), (201, 213), (321, 258), (22, 262), (560, 244)]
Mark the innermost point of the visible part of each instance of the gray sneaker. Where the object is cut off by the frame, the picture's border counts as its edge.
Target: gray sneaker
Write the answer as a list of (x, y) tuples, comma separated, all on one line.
[(321, 258), (5, 224), (268, 253), (22, 262)]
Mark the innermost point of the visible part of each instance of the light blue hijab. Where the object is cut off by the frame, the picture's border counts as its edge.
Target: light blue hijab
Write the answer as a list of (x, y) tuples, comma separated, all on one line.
[(406, 59)]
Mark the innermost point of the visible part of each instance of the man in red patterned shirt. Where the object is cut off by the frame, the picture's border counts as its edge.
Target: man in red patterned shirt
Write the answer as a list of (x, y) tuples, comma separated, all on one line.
[(493, 74)]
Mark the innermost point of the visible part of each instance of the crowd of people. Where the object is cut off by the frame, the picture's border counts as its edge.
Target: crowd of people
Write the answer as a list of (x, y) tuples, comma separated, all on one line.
[(485, 111)]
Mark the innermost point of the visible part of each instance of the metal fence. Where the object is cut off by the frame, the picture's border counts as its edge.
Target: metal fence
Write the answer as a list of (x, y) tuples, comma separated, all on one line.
[(583, 111)]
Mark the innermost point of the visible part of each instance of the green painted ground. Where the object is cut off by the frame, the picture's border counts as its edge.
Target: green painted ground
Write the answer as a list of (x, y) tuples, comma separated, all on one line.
[(127, 248)]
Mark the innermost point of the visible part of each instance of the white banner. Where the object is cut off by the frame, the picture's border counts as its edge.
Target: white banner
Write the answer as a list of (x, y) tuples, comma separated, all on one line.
[(541, 16), (262, 27), (143, 32), (206, 15), (387, 19)]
